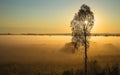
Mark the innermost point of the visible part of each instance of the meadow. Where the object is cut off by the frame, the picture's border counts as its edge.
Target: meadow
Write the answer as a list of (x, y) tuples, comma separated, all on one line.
[(53, 55)]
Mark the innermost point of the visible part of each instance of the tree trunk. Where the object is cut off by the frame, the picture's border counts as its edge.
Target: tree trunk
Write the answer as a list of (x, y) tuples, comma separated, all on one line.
[(85, 64), (86, 60)]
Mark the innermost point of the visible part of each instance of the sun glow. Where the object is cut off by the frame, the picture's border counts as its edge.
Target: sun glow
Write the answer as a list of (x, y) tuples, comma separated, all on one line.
[(86, 22)]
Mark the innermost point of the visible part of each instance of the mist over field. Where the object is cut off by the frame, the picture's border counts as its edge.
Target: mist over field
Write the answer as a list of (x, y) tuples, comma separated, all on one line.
[(55, 49), (33, 55)]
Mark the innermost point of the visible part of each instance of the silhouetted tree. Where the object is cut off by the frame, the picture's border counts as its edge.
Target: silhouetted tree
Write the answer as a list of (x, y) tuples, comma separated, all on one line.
[(81, 25)]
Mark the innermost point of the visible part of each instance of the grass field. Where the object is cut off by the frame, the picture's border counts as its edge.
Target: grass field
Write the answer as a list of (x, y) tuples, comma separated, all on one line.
[(43, 55)]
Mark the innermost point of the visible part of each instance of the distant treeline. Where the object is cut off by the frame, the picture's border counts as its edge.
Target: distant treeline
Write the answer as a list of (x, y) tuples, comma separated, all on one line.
[(62, 34)]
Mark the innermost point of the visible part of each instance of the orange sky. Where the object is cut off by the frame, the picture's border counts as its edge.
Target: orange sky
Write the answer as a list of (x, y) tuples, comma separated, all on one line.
[(44, 16)]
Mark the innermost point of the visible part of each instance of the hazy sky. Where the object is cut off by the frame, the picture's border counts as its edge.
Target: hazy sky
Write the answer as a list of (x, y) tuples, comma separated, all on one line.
[(54, 16)]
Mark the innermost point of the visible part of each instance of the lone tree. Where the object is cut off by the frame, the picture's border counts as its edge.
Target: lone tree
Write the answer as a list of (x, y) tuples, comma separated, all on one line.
[(81, 24)]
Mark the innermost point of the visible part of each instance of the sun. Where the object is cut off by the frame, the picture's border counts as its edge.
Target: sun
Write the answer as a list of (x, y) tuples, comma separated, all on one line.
[(86, 22)]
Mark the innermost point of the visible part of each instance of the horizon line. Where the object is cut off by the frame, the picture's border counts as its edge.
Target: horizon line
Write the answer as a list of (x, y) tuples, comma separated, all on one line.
[(64, 34)]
